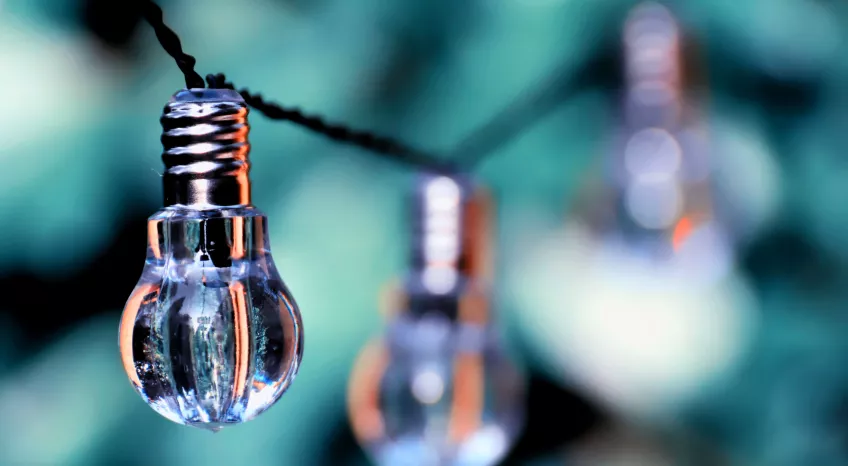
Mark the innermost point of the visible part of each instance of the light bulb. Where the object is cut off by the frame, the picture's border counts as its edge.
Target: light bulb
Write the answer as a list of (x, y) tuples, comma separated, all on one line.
[(438, 388), (210, 336)]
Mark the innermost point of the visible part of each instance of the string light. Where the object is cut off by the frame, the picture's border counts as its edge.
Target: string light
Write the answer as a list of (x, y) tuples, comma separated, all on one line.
[(196, 352), (211, 336)]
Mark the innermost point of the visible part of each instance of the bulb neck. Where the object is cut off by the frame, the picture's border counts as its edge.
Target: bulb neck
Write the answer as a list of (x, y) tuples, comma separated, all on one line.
[(450, 241), (653, 67), (204, 137)]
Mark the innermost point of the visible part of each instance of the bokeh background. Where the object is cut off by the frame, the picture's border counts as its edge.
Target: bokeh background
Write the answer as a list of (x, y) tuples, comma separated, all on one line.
[(750, 372)]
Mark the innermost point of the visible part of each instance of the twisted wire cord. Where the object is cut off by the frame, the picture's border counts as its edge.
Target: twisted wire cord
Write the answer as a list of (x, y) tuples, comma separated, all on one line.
[(171, 43), (601, 70), (382, 145), (465, 157)]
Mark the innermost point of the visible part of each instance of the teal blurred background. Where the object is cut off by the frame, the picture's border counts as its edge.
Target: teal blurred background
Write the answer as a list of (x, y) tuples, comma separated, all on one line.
[(755, 373)]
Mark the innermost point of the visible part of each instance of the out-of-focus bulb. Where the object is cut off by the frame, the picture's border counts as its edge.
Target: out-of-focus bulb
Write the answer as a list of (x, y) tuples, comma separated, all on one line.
[(210, 336), (438, 389)]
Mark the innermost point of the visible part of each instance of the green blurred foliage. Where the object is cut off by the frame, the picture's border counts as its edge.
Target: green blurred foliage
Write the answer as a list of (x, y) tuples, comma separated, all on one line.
[(81, 142)]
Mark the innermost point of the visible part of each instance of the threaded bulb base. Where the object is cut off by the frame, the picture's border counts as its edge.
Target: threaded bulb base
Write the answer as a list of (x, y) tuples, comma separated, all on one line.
[(204, 136)]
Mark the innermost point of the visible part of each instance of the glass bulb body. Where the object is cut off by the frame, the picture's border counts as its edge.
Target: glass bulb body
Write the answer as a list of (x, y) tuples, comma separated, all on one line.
[(436, 393), (210, 336)]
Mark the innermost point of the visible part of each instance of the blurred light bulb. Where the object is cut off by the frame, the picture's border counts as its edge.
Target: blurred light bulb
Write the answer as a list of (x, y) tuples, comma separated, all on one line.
[(438, 389), (210, 336), (647, 313)]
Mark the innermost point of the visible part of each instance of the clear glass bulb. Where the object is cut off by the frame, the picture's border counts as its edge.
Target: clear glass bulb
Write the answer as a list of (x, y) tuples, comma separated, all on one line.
[(436, 393), (210, 336)]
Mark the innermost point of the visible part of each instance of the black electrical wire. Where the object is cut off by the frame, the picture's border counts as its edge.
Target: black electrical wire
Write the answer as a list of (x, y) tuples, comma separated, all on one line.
[(382, 145), (379, 144), (171, 43), (467, 155), (597, 70)]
